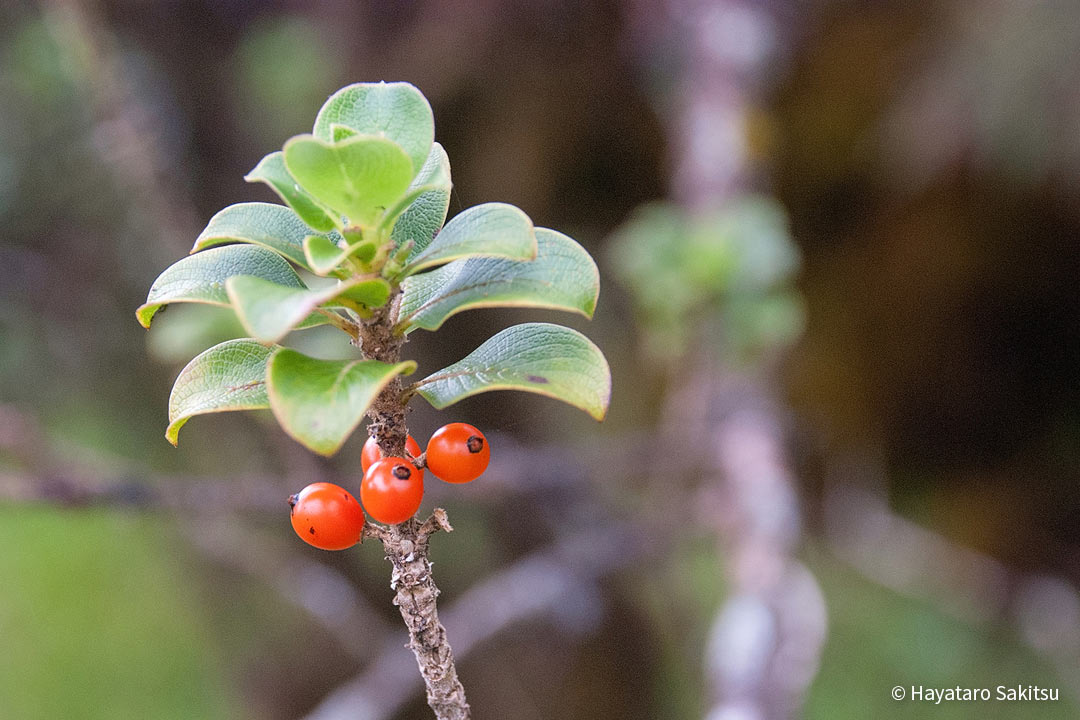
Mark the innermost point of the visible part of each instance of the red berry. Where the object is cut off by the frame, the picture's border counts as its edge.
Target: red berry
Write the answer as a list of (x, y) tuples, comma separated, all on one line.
[(392, 490), (458, 453), (372, 453), (327, 516)]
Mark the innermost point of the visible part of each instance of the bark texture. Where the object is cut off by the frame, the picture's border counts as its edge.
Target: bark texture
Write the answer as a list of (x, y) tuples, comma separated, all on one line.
[(407, 549), (406, 544), (387, 414)]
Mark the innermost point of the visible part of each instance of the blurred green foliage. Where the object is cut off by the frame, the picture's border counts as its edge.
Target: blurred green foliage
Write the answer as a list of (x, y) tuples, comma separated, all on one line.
[(185, 331), (97, 624), (679, 598), (283, 68), (724, 277), (878, 639)]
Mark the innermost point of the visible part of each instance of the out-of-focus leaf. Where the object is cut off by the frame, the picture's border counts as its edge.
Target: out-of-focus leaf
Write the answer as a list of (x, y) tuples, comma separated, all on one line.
[(229, 376), (756, 323), (272, 226), (282, 67), (766, 255), (187, 330), (272, 171), (396, 110), (562, 277), (320, 402), (200, 278), (359, 177), (686, 272), (535, 357), (488, 230)]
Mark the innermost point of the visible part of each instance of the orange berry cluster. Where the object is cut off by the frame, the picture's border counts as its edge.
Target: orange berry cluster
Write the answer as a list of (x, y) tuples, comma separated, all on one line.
[(329, 517)]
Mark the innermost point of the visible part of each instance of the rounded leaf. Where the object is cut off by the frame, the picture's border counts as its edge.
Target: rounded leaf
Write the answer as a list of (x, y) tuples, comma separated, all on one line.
[(359, 177), (200, 278), (269, 311), (562, 277), (275, 227), (395, 110), (535, 357), (230, 376), (320, 402), (488, 230), (272, 171), (422, 211)]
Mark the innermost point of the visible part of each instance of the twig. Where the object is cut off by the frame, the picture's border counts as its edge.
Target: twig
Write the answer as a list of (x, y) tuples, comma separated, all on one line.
[(406, 544), (557, 580), (776, 605), (416, 594), (516, 473), (67, 489), (341, 323), (765, 642), (436, 522)]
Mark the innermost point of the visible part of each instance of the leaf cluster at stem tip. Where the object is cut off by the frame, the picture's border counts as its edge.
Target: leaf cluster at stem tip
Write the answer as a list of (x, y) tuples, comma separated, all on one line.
[(365, 199)]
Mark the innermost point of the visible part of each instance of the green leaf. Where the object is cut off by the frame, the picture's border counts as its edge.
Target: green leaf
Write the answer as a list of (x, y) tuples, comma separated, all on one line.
[(562, 277), (535, 357), (270, 311), (324, 256), (397, 111), (371, 293), (187, 330), (320, 402), (417, 216), (272, 171), (488, 230), (359, 177), (200, 278), (422, 219), (434, 177), (272, 226), (229, 376)]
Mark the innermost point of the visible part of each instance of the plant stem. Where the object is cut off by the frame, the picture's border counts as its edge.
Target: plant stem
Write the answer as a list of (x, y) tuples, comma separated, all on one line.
[(406, 544), (340, 322)]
